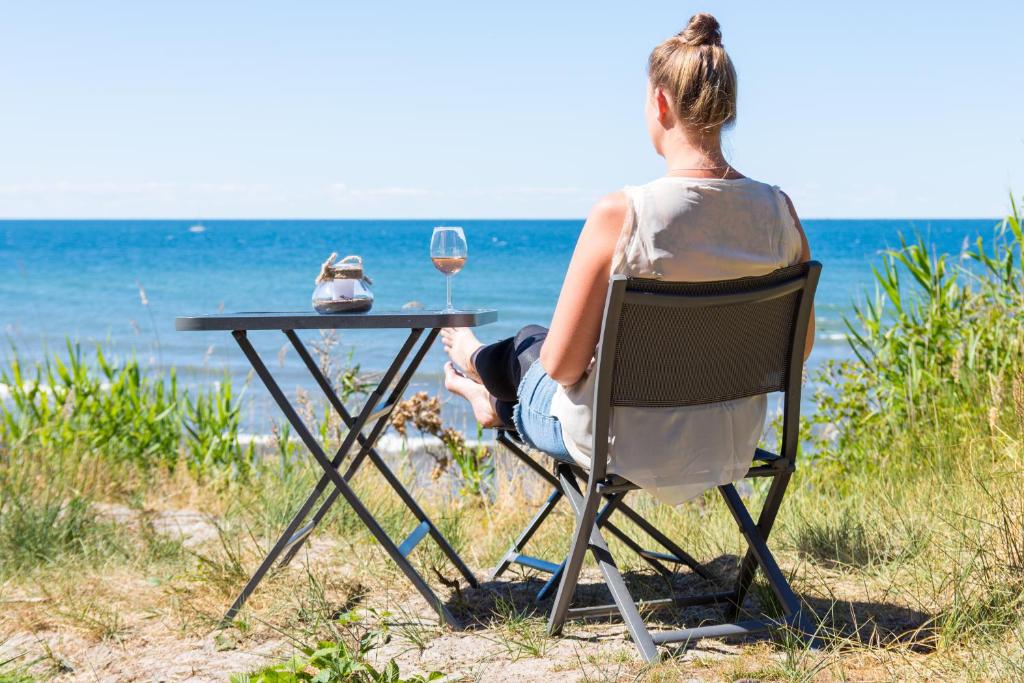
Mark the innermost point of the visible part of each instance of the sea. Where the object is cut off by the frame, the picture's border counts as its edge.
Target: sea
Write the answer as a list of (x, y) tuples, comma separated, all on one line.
[(120, 284)]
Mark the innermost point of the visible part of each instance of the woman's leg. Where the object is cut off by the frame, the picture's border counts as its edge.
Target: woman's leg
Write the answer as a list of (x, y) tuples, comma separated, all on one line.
[(502, 365), (499, 368), (532, 416)]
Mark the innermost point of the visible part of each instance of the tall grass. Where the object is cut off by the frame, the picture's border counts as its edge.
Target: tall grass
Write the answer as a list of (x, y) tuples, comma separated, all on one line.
[(936, 335), (120, 413), (917, 442), (65, 404)]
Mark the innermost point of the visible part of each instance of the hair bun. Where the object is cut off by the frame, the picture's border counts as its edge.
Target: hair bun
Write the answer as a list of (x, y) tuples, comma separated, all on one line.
[(703, 29)]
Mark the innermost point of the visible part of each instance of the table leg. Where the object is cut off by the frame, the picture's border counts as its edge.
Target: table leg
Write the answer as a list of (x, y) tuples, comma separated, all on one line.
[(292, 534), (367, 449), (356, 426), (331, 472)]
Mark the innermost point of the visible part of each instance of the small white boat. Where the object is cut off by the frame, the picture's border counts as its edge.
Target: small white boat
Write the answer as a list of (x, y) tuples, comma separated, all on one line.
[(197, 228)]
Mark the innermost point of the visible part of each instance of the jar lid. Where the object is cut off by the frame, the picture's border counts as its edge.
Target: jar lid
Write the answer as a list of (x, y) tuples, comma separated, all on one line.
[(348, 268)]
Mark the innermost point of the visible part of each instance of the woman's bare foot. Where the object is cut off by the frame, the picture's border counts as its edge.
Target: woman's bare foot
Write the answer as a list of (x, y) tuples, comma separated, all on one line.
[(476, 394), (460, 344)]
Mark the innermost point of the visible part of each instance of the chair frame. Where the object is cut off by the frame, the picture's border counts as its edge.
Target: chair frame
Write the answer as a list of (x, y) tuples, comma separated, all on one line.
[(592, 517)]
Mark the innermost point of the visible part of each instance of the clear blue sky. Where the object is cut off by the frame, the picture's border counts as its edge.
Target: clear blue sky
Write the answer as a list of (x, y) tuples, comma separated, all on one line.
[(447, 110)]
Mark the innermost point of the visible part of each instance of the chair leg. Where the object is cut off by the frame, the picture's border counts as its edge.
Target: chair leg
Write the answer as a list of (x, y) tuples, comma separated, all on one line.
[(666, 542), (759, 549), (585, 508), (527, 534), (765, 522), (518, 545), (612, 577), (585, 515), (601, 521)]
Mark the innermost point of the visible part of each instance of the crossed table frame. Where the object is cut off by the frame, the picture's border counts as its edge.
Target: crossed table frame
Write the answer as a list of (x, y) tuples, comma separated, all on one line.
[(365, 427)]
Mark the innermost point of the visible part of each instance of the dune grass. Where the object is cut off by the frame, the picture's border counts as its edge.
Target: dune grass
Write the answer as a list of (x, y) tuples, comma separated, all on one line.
[(130, 515)]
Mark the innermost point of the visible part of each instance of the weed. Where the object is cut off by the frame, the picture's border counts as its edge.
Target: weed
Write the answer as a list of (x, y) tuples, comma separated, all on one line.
[(337, 661), (851, 539), (38, 529), (211, 425), (101, 621), (16, 669), (522, 632)]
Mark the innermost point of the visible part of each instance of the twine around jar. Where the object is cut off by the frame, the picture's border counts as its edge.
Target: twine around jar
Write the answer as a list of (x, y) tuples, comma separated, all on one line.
[(348, 268)]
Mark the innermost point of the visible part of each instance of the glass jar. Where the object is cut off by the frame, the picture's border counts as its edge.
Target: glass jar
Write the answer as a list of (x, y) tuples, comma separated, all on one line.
[(342, 287)]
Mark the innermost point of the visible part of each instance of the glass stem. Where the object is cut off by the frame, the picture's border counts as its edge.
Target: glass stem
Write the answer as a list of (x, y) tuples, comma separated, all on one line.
[(448, 282)]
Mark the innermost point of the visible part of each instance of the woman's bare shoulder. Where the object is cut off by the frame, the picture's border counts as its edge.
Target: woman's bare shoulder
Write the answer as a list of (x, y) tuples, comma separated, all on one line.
[(608, 213)]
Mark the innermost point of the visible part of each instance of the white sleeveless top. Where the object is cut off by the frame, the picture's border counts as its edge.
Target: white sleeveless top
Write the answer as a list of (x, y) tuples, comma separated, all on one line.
[(691, 230)]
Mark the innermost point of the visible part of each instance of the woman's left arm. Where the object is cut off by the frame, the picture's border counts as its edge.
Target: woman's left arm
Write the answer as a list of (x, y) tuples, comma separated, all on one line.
[(576, 324)]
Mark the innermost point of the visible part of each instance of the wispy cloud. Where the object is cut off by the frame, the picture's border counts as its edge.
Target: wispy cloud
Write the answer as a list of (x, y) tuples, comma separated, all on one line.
[(151, 188), (543, 191), (235, 198), (343, 191)]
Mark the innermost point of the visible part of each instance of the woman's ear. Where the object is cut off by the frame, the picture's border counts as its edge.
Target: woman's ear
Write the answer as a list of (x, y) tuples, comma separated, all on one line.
[(661, 103)]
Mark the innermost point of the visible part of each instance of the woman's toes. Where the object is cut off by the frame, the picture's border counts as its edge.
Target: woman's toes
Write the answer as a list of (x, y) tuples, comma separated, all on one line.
[(451, 378), (457, 383), (448, 342)]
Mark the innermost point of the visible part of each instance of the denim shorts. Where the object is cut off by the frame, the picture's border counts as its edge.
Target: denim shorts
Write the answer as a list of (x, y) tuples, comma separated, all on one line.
[(532, 414)]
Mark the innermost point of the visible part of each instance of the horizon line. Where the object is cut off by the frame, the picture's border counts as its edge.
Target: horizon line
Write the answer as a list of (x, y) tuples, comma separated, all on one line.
[(449, 219)]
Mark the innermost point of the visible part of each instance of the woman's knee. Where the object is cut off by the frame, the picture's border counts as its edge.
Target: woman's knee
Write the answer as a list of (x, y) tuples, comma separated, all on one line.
[(530, 335)]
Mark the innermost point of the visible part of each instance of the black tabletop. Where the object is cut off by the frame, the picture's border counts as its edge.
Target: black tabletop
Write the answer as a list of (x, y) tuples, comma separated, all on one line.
[(334, 321)]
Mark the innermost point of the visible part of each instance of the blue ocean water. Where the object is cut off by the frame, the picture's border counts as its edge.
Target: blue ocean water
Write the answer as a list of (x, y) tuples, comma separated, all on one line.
[(121, 283)]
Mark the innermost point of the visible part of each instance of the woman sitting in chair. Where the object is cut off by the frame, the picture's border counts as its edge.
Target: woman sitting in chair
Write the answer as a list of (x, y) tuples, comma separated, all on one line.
[(702, 221)]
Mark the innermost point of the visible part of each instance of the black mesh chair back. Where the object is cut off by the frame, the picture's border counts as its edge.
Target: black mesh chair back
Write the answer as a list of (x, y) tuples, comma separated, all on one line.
[(670, 344), (683, 344)]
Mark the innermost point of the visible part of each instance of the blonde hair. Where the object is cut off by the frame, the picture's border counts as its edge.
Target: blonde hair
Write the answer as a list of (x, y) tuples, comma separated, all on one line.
[(695, 70)]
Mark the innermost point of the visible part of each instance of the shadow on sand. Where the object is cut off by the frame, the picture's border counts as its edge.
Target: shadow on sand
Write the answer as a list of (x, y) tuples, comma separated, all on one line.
[(840, 621)]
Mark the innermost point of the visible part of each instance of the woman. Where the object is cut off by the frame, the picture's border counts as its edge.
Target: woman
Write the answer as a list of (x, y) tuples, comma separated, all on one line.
[(703, 220)]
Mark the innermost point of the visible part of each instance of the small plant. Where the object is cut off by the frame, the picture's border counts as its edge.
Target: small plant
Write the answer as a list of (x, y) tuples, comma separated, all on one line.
[(99, 620), (415, 631), (348, 380), (475, 464), (284, 446), (227, 568), (936, 330), (851, 540), (522, 632), (337, 661), (211, 424), (15, 670), (41, 529), (121, 414)]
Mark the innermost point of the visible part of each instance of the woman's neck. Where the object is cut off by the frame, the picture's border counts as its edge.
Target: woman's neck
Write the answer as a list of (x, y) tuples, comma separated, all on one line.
[(691, 151)]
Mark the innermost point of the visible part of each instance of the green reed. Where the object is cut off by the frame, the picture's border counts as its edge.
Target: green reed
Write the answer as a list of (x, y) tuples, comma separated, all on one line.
[(121, 412), (936, 332)]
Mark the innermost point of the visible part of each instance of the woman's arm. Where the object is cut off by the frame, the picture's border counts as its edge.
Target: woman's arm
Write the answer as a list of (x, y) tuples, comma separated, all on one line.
[(576, 324), (804, 256)]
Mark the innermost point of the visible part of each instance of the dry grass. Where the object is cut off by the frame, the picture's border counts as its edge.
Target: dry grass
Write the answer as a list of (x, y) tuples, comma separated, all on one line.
[(915, 573)]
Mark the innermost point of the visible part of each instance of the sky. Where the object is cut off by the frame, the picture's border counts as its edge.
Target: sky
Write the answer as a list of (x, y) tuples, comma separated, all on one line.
[(201, 110)]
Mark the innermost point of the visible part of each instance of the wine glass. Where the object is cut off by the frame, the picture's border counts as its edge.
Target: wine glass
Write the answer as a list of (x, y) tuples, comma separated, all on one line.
[(448, 251)]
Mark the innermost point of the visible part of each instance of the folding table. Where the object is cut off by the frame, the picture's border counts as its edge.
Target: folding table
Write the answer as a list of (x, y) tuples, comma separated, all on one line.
[(365, 427)]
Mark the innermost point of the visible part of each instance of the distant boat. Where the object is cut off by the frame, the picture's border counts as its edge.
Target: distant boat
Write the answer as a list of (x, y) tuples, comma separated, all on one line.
[(197, 228)]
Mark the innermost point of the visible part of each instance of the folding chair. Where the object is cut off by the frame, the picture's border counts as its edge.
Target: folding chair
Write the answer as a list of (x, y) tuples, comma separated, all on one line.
[(515, 554), (682, 344)]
